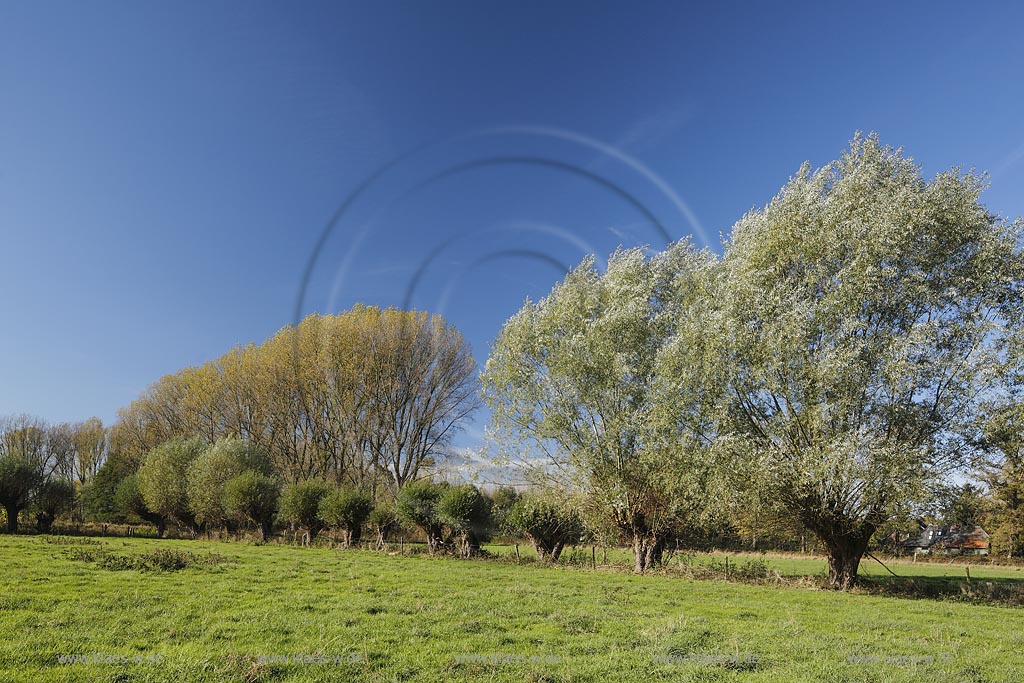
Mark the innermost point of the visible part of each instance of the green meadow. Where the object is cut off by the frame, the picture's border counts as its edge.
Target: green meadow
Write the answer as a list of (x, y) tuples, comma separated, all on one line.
[(92, 610)]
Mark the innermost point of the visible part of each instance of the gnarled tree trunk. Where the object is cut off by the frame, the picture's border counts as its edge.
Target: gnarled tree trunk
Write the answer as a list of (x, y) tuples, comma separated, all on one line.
[(545, 549), (647, 551), (845, 547), (435, 540), (12, 518)]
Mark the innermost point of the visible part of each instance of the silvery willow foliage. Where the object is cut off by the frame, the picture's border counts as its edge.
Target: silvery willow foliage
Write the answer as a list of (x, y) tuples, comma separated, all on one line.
[(598, 375), (867, 310)]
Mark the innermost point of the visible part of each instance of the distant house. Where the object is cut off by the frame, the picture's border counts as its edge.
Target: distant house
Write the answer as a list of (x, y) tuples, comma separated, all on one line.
[(948, 540)]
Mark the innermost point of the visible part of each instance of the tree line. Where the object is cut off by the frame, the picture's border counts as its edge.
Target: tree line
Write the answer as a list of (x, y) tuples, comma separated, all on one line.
[(367, 399), (858, 341), (231, 485)]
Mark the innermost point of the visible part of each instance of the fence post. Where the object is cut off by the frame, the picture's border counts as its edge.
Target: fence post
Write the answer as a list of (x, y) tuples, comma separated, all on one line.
[(517, 553)]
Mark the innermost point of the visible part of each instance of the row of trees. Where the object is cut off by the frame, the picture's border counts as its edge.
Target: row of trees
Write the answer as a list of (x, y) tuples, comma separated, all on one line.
[(858, 341), (367, 398), (43, 466), (230, 485)]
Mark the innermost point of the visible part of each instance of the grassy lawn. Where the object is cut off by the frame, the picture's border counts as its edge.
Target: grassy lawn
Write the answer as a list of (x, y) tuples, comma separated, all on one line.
[(413, 618)]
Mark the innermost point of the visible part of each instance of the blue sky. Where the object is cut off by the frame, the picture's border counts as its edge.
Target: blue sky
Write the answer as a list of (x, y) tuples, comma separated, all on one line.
[(167, 168)]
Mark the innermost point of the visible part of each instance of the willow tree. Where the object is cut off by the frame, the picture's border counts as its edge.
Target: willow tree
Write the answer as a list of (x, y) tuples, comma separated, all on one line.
[(25, 463), (865, 309), (163, 480), (208, 475), (599, 376)]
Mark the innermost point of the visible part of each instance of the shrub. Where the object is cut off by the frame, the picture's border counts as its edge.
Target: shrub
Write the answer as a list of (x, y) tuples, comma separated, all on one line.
[(128, 502), (300, 504), (161, 559), (502, 500), (70, 540), (467, 513), (52, 498), (417, 504), (163, 479), (252, 497), (19, 478), (346, 510), (99, 496), (383, 519), (209, 474), (547, 525)]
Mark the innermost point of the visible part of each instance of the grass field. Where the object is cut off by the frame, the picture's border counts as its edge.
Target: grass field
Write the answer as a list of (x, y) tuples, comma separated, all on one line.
[(278, 613)]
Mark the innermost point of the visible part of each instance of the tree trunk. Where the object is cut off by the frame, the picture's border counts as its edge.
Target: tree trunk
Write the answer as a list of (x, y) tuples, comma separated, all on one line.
[(656, 553), (472, 544), (266, 528), (647, 552), (434, 541), (556, 551), (12, 519), (844, 556), (542, 552), (44, 523)]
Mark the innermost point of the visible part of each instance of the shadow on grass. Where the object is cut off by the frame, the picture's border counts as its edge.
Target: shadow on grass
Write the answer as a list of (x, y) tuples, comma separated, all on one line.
[(997, 591)]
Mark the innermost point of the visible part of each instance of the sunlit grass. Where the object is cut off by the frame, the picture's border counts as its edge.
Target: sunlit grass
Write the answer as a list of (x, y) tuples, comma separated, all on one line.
[(415, 618)]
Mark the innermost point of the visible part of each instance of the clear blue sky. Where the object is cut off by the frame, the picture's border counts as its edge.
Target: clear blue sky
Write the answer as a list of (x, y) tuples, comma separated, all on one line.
[(166, 168)]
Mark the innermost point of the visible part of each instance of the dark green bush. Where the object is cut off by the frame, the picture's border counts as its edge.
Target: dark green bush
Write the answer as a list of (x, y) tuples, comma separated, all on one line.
[(467, 513), (300, 504), (346, 510), (547, 525), (417, 504)]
